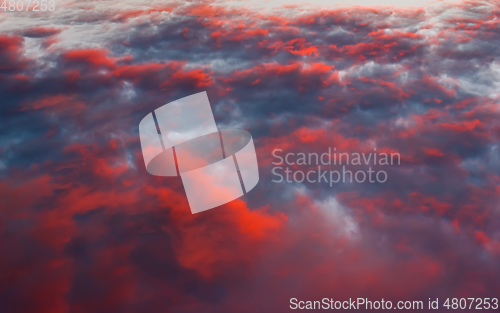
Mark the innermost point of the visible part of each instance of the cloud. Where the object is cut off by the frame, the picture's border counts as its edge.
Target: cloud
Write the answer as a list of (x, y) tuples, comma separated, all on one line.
[(41, 32), (85, 228)]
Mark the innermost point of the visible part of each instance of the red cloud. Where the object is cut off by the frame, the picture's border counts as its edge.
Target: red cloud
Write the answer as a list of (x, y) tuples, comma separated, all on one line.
[(95, 57), (11, 54)]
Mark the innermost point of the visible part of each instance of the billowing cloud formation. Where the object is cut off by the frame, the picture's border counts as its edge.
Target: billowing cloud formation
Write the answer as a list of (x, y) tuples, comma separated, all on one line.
[(85, 228)]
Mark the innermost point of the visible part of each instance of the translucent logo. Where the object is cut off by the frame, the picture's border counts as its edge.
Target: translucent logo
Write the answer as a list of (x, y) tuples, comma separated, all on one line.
[(182, 139)]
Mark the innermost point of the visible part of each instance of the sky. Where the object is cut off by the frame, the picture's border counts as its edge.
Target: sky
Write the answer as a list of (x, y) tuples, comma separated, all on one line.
[(331, 4), (85, 228)]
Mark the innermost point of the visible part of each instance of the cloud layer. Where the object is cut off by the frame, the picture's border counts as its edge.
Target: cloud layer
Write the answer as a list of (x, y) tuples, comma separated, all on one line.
[(84, 227)]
